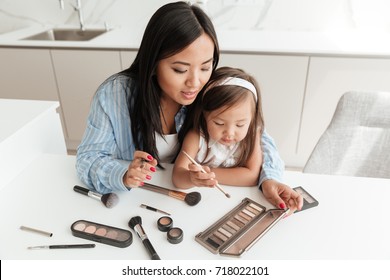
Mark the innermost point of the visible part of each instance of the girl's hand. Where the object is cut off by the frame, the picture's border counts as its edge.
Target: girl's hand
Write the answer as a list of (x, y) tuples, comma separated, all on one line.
[(200, 179), (140, 169)]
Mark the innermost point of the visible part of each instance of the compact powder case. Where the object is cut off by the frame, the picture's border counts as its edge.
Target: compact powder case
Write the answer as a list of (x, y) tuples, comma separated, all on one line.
[(237, 231), (308, 200), (175, 235), (164, 223), (102, 233)]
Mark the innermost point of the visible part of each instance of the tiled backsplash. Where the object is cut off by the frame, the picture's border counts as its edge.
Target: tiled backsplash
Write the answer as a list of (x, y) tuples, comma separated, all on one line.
[(267, 15)]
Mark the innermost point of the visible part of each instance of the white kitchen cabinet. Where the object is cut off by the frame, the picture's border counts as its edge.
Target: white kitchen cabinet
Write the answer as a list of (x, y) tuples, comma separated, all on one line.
[(282, 83), (127, 58), (328, 79), (28, 129), (79, 73), (27, 74)]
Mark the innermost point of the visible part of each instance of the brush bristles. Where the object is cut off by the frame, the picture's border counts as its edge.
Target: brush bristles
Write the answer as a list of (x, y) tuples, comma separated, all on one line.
[(192, 198), (110, 199), (135, 221)]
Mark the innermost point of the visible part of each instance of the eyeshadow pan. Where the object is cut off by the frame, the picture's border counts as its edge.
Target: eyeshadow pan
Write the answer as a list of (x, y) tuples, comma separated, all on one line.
[(212, 242), (245, 216), (123, 236), (225, 232), (233, 225), (90, 229), (256, 207), (80, 226), (252, 210), (249, 213), (228, 228), (220, 236), (101, 232), (239, 221), (112, 234), (216, 240)]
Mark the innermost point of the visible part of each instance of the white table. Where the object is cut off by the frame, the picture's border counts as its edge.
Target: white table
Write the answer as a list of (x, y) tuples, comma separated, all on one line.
[(351, 221), (27, 128)]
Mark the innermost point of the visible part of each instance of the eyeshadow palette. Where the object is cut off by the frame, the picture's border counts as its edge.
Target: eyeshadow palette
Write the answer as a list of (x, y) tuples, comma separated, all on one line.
[(237, 231), (308, 200), (102, 233)]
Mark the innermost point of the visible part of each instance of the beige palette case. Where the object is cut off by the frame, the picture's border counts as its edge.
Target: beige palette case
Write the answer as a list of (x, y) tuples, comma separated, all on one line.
[(237, 231)]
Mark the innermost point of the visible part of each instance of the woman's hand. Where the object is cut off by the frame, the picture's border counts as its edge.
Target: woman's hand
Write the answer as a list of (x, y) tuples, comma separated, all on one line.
[(140, 169), (201, 179), (282, 196)]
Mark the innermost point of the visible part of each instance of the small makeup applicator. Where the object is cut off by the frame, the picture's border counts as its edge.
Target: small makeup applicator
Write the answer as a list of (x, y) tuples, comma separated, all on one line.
[(109, 199), (204, 171)]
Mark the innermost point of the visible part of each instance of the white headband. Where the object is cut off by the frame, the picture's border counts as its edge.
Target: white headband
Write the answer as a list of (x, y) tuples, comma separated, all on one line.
[(233, 81)]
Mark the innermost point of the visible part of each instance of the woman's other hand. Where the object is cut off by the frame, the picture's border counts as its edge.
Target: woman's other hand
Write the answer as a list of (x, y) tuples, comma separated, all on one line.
[(282, 196)]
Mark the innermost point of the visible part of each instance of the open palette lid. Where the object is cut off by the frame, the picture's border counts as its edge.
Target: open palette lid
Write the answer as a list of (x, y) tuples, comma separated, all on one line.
[(237, 231)]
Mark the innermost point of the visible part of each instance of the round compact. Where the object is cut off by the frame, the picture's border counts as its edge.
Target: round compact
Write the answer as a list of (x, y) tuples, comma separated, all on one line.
[(175, 235), (164, 223)]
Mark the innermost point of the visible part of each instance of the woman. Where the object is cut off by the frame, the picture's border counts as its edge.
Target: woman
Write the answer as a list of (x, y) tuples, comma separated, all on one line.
[(136, 115)]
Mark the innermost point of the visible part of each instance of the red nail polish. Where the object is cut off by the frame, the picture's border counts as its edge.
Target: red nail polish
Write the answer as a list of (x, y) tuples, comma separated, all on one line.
[(152, 169), (141, 183), (282, 205), (148, 177), (149, 157)]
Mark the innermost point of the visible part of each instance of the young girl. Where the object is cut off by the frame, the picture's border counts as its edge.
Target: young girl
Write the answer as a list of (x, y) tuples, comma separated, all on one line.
[(227, 128)]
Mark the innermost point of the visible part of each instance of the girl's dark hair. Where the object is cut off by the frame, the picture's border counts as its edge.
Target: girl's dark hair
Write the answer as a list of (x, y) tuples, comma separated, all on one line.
[(171, 29), (214, 97)]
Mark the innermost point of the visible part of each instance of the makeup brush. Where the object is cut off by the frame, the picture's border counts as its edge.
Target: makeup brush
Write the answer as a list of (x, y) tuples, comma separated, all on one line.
[(136, 224), (204, 171), (191, 198), (109, 199)]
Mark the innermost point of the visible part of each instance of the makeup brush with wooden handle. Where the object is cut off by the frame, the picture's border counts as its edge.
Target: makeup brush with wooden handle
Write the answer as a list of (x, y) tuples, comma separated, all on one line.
[(191, 198)]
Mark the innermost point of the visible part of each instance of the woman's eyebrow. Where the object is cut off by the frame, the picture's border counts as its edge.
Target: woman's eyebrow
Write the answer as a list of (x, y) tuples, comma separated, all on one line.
[(188, 64)]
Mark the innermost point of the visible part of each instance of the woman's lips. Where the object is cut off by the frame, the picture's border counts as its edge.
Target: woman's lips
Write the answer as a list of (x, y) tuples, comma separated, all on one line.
[(189, 94)]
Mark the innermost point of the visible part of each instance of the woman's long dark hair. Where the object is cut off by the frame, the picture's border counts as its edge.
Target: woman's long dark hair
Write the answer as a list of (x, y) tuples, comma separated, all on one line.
[(171, 29)]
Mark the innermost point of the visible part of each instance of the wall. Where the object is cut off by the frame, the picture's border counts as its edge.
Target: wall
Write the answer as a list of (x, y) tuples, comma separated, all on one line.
[(268, 15)]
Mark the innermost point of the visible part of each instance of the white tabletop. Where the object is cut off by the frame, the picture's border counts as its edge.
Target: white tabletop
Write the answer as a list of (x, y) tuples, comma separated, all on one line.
[(351, 221)]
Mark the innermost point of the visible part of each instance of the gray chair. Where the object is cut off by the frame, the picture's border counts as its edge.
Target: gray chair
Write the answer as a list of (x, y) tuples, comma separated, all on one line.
[(357, 141)]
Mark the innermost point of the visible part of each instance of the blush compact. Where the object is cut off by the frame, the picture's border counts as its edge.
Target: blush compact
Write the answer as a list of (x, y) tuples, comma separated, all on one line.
[(102, 233)]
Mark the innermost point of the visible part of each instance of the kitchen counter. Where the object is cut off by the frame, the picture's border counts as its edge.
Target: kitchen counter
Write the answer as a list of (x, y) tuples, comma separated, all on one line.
[(356, 44), (28, 128)]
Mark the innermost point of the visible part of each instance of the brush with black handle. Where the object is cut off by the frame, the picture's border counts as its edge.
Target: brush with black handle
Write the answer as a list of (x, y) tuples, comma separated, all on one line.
[(109, 199), (136, 224)]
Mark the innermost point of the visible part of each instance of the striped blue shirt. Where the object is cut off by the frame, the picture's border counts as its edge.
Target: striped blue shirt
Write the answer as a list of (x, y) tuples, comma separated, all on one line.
[(107, 145)]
